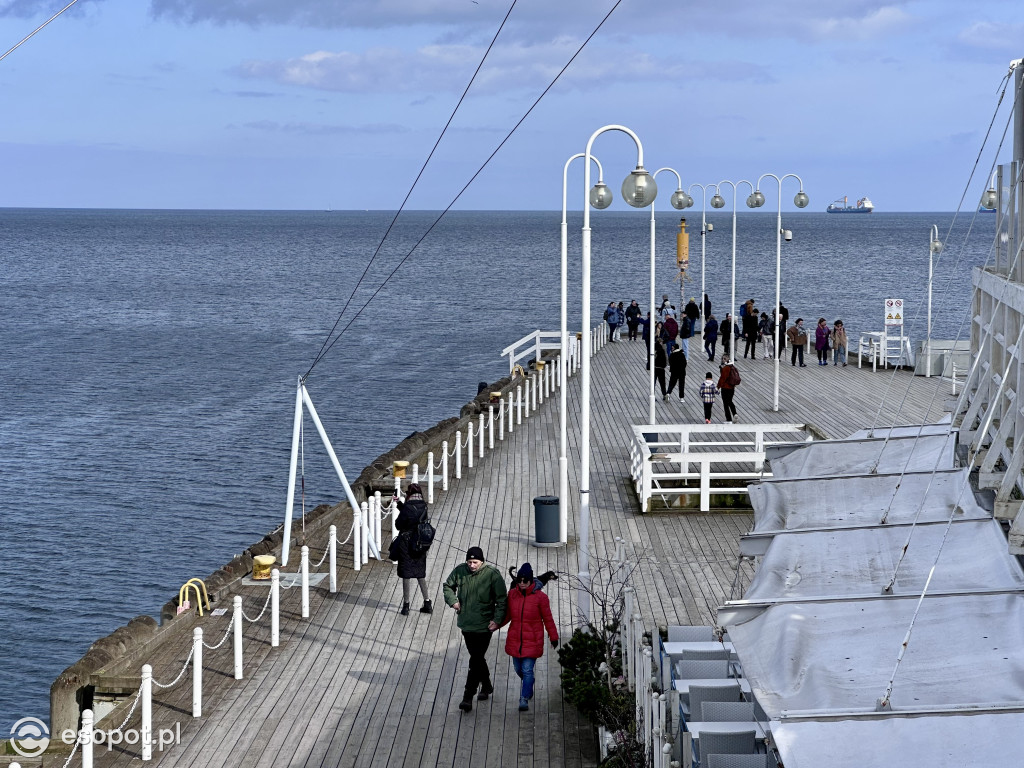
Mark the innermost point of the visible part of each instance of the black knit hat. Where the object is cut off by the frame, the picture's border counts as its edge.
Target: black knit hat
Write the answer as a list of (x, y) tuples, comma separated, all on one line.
[(475, 553), (525, 571)]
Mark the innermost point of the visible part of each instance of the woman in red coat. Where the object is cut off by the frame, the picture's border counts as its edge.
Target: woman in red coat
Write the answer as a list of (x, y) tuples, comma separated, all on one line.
[(529, 612)]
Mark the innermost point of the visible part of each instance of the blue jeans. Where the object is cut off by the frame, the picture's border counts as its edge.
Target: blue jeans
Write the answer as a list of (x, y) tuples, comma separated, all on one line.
[(839, 355), (524, 668)]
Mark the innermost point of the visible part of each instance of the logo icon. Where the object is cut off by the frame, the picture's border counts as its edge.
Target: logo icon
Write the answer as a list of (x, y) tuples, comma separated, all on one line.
[(30, 737)]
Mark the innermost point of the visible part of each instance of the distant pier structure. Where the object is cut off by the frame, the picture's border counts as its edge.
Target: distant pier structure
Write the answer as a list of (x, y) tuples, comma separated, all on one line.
[(990, 409)]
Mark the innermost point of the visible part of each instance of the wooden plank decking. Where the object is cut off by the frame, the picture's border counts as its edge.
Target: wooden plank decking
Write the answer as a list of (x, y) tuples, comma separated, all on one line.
[(358, 684)]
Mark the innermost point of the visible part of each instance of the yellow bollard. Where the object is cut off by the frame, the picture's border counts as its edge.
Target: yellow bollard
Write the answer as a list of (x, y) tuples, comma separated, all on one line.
[(398, 469), (261, 565)]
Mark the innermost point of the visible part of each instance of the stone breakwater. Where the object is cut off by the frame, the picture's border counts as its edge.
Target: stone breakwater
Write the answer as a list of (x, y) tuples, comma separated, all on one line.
[(103, 670)]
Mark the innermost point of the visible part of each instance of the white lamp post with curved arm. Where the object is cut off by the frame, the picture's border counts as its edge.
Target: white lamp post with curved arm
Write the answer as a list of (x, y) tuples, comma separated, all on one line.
[(756, 200), (703, 237), (679, 199), (639, 190), (719, 202), (600, 197)]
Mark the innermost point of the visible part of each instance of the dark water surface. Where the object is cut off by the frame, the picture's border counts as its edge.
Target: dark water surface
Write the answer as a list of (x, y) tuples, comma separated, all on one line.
[(148, 362)]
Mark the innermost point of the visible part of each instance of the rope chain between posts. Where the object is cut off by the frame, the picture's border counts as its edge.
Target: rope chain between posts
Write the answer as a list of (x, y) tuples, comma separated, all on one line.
[(350, 532), (295, 583), (72, 755), (138, 695), (227, 632), (327, 551), (264, 610), (180, 674)]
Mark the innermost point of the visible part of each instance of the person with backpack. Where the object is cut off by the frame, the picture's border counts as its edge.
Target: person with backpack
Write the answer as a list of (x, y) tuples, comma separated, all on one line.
[(728, 380), (528, 614), (614, 320), (408, 549), (669, 331), (708, 392), (685, 333)]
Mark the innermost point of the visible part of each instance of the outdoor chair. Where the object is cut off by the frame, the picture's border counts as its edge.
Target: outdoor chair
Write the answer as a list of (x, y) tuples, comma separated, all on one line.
[(731, 743), (698, 670), (685, 634), (740, 761), (701, 693), (727, 711)]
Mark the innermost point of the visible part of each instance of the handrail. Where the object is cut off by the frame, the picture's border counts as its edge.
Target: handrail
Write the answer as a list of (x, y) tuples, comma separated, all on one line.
[(193, 584), (536, 346)]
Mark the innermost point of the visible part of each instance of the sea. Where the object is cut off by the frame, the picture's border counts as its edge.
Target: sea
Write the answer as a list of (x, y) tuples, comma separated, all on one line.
[(149, 359)]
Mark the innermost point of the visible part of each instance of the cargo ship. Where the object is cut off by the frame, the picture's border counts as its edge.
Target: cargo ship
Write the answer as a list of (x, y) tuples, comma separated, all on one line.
[(864, 205)]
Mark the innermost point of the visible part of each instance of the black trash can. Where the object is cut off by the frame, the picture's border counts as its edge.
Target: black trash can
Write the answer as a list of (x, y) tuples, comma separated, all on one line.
[(545, 521)]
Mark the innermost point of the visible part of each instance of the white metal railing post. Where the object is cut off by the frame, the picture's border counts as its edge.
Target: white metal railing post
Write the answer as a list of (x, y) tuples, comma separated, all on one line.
[(954, 376), (146, 729), (305, 582), (526, 394), (430, 477), (236, 620), (519, 405), (458, 455), (549, 375), (705, 486), (542, 374), (416, 473), (759, 448), (393, 513), (469, 445), (536, 348), (275, 605), (533, 392), (85, 738), (490, 427), (627, 646), (357, 535), (333, 557), (501, 419), (377, 517), (364, 524), (197, 672), (444, 465), (480, 436)]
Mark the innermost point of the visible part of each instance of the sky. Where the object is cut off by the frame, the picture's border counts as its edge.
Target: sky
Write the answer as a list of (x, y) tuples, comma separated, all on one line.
[(317, 104)]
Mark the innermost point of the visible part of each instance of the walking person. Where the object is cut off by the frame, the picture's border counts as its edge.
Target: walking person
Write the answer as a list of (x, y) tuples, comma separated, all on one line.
[(406, 549), (528, 614), (725, 333), (685, 333), (728, 380), (707, 306), (708, 392), (660, 361), (622, 321), (476, 591), (677, 372), (821, 339), (781, 326), (670, 329), (611, 316), (633, 319), (710, 336), (648, 334), (797, 340), (838, 343), (750, 332), (692, 311)]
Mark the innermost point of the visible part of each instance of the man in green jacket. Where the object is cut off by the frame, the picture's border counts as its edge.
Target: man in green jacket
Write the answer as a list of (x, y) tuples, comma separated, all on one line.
[(477, 592)]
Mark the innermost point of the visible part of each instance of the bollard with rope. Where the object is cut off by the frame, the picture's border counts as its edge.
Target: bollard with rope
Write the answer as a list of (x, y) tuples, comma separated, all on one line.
[(469, 445), (490, 427), (480, 436), (333, 550), (444, 465), (275, 607), (430, 477), (236, 621), (458, 455), (501, 419), (86, 737), (519, 405), (364, 556), (197, 671), (305, 582), (146, 734)]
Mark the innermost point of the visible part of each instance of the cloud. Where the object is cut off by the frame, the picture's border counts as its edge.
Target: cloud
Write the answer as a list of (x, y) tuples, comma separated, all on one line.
[(989, 36), (521, 65), (321, 129), (316, 13)]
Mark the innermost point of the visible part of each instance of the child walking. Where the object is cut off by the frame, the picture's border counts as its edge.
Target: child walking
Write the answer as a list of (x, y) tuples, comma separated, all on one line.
[(708, 392)]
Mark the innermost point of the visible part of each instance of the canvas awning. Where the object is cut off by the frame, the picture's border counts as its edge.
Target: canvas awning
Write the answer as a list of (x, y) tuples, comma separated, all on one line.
[(861, 457)]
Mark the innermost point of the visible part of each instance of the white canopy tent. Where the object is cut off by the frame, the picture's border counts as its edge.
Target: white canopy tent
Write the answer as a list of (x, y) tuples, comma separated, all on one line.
[(860, 562), (784, 505), (861, 457), (992, 740)]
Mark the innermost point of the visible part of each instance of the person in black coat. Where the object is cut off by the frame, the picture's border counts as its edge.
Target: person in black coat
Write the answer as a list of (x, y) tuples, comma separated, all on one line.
[(677, 372), (660, 361), (633, 319), (750, 331), (412, 562)]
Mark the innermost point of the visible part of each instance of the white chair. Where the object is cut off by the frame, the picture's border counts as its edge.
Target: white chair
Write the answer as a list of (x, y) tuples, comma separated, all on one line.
[(686, 634)]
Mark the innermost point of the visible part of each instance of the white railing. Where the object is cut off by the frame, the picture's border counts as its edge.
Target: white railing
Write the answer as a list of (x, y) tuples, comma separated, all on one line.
[(883, 349), (535, 344), (680, 454)]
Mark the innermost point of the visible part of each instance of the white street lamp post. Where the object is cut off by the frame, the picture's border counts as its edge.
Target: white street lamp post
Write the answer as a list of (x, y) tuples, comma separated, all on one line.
[(718, 202), (934, 247), (756, 200), (678, 201), (703, 238), (600, 197), (639, 190)]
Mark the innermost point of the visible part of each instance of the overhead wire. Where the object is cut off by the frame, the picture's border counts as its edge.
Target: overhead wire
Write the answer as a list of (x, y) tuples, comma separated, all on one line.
[(35, 31), (412, 187), (486, 162)]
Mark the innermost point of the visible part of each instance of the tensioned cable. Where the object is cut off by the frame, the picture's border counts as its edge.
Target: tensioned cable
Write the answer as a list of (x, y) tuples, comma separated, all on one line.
[(1004, 84), (35, 31), (324, 347), (462, 191)]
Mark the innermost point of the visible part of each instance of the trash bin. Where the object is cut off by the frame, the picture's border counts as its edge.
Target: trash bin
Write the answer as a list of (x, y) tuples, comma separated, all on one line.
[(545, 521)]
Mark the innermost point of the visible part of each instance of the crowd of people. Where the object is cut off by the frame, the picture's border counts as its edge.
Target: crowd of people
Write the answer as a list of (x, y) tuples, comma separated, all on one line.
[(670, 331)]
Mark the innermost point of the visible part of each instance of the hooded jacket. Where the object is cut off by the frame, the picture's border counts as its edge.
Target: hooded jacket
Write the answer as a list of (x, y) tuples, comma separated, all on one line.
[(529, 613)]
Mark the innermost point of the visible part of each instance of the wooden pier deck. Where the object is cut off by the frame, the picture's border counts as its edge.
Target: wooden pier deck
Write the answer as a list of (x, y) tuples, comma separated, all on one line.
[(358, 684)]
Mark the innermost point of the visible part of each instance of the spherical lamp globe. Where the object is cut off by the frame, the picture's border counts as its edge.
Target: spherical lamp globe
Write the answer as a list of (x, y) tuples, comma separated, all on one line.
[(717, 201), (639, 188), (678, 199), (600, 196), (801, 200)]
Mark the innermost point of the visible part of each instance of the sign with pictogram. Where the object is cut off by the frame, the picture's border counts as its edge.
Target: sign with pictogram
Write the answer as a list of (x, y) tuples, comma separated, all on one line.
[(893, 313)]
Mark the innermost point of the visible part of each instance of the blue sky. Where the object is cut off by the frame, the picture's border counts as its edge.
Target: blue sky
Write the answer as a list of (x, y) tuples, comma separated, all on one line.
[(308, 104)]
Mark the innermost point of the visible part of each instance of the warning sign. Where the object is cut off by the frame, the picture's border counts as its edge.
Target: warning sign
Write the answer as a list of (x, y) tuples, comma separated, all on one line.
[(893, 313)]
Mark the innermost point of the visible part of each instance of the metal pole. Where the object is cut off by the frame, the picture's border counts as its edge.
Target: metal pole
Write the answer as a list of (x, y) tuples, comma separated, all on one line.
[(651, 341), (444, 465), (333, 556), (458, 455), (146, 735), (305, 582), (292, 468), (778, 294), (86, 737), (430, 484), (275, 604), (197, 672), (928, 343), (236, 619)]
